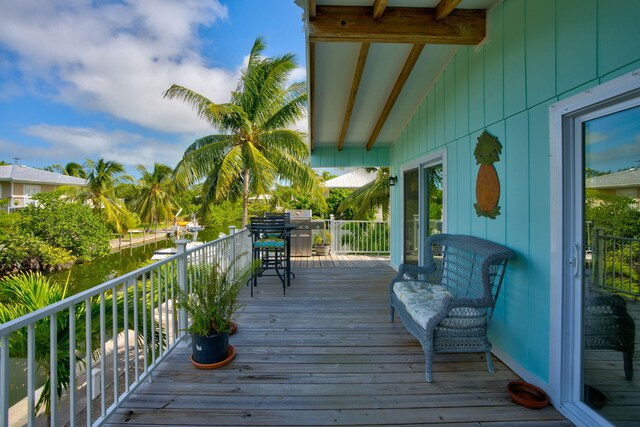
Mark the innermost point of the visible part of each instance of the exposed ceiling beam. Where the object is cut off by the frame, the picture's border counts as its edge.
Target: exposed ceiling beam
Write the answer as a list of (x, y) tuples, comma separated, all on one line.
[(378, 8), (362, 60), (312, 9), (397, 25), (312, 88), (445, 7), (395, 92)]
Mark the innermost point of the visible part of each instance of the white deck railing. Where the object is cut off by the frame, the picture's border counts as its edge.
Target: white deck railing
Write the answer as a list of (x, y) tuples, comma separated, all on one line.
[(359, 237), (141, 301)]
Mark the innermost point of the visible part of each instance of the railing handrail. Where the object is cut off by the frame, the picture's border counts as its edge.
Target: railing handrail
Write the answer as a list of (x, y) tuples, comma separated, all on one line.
[(22, 321)]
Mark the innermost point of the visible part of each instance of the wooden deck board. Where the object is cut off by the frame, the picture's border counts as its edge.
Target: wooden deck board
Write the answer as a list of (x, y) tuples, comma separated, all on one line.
[(326, 354)]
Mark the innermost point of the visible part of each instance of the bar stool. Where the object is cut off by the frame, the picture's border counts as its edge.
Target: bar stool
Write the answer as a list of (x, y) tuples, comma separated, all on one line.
[(270, 248)]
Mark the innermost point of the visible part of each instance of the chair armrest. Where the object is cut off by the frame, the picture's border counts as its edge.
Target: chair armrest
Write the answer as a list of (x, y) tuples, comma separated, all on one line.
[(411, 272)]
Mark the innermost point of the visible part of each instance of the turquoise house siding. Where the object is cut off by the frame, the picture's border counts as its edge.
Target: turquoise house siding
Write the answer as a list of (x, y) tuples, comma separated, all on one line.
[(349, 156), (537, 52)]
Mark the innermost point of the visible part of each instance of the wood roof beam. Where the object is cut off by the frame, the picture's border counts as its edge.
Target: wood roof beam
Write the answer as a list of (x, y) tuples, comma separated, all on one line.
[(395, 92), (312, 9), (378, 8), (445, 7), (398, 25), (357, 77)]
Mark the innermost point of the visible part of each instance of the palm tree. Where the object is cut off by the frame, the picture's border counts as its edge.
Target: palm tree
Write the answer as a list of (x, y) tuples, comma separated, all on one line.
[(370, 196), (102, 178), (24, 293), (256, 149), (70, 169), (155, 202)]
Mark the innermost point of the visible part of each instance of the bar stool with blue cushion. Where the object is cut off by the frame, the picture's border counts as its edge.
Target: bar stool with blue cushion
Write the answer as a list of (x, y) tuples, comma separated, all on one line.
[(269, 248)]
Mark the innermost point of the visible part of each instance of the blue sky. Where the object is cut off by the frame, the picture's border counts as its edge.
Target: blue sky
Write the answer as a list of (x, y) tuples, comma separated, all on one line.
[(613, 141), (84, 79)]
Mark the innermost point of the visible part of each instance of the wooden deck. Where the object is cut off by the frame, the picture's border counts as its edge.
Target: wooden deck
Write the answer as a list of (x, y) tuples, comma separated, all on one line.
[(326, 354)]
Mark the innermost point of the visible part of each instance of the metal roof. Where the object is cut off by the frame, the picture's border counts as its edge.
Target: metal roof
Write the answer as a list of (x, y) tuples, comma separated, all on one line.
[(625, 179), (25, 174), (354, 179)]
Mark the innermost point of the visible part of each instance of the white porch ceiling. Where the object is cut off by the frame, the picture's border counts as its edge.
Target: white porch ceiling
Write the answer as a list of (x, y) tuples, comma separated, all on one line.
[(331, 77)]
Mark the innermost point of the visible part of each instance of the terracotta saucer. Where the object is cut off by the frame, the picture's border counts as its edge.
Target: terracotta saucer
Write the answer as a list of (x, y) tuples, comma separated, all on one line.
[(527, 395), (231, 353)]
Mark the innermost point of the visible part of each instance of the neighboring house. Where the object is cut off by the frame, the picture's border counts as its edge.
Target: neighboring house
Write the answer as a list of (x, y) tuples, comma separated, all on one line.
[(419, 82), (625, 183), (351, 180), (19, 183)]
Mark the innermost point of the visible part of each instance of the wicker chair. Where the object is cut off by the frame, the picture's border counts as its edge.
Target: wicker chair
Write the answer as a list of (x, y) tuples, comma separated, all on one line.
[(608, 326), (447, 304)]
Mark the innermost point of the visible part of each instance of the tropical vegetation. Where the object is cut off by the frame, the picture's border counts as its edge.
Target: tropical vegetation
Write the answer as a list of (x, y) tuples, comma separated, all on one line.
[(154, 202), (256, 148), (365, 200), (50, 234), (25, 293)]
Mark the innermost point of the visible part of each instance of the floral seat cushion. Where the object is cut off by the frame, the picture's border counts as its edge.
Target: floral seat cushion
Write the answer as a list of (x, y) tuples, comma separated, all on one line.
[(423, 300)]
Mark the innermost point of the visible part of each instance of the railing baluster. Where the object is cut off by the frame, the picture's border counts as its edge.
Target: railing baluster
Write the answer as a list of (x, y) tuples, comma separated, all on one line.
[(152, 316), (145, 348), (4, 377), (88, 356), (31, 374), (125, 329), (166, 304), (53, 369), (72, 365), (103, 364), (136, 314), (114, 323)]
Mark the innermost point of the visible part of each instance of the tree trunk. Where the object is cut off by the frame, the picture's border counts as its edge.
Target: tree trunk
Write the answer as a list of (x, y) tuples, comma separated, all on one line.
[(245, 197)]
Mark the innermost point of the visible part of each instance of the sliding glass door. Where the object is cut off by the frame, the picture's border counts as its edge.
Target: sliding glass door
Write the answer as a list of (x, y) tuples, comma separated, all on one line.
[(423, 200)]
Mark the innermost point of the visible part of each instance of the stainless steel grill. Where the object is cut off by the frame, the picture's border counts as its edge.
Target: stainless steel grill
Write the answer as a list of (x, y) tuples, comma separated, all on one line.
[(301, 236)]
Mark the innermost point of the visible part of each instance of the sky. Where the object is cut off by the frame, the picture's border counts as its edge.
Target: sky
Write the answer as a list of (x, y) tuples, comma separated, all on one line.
[(84, 79), (613, 141)]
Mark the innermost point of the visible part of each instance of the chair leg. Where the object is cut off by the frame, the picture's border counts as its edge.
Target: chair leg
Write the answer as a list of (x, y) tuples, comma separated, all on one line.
[(490, 367), (428, 366), (628, 364), (392, 313)]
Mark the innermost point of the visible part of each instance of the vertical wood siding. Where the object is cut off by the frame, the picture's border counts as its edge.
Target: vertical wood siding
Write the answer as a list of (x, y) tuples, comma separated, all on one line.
[(537, 52)]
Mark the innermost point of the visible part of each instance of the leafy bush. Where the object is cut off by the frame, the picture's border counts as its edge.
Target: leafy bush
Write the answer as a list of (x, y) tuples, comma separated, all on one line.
[(613, 213), (68, 225), (23, 252)]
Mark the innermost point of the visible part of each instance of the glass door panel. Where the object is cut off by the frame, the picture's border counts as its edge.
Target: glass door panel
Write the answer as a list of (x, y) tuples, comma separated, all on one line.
[(433, 199), (609, 278), (411, 185)]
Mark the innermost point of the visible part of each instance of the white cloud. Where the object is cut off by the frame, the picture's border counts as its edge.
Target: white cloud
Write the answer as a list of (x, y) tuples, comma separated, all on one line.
[(118, 57), (77, 144)]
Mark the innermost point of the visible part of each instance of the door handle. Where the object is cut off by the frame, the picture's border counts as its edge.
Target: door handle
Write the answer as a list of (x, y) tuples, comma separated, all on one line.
[(575, 259)]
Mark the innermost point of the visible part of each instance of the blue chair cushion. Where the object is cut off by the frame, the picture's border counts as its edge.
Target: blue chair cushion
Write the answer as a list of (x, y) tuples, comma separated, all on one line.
[(269, 243)]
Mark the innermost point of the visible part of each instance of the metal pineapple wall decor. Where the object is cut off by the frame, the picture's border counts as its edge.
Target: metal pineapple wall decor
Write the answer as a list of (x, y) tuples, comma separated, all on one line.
[(487, 152)]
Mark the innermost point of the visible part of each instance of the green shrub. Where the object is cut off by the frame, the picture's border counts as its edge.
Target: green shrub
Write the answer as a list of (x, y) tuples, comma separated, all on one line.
[(68, 225), (24, 253)]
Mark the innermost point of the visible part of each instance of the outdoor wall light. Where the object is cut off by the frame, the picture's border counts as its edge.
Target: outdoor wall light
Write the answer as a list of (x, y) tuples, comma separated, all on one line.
[(392, 181)]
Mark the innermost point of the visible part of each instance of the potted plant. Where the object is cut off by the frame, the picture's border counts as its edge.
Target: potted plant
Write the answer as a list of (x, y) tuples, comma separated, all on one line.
[(211, 305), (322, 242)]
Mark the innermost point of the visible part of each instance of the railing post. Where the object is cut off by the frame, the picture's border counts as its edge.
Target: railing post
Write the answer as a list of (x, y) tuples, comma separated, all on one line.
[(597, 255), (181, 245), (334, 237), (232, 232)]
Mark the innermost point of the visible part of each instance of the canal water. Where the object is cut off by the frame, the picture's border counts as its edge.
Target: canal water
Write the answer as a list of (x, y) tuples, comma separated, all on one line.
[(90, 274)]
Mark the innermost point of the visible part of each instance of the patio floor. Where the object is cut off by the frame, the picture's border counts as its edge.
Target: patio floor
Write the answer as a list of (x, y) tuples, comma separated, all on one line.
[(326, 354)]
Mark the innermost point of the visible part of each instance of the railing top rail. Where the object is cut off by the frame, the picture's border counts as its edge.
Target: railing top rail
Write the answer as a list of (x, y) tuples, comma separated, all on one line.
[(626, 239), (27, 319)]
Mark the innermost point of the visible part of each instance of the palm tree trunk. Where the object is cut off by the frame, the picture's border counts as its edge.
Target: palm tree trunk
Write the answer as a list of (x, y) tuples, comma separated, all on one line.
[(245, 197)]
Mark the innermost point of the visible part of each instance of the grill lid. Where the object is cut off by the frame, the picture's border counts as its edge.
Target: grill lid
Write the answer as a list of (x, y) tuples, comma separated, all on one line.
[(299, 215)]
